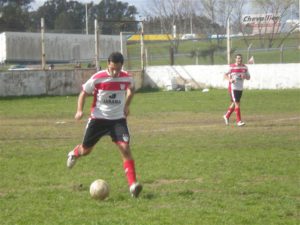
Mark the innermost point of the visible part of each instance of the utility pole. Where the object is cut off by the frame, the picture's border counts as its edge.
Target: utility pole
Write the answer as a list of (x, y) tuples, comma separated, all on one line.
[(96, 45), (86, 19), (142, 46), (43, 44), (191, 23), (228, 40)]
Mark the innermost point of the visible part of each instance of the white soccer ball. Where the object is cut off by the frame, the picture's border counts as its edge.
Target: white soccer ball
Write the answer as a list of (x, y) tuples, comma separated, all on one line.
[(99, 189)]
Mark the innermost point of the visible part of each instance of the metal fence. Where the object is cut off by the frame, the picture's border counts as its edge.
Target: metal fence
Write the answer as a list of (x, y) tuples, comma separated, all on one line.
[(202, 51), (142, 50)]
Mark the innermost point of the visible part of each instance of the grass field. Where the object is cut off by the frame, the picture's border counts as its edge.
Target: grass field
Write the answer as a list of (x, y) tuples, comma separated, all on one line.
[(194, 169), (158, 52)]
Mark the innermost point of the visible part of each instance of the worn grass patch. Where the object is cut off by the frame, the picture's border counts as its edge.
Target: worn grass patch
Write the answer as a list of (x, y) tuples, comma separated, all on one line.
[(195, 170)]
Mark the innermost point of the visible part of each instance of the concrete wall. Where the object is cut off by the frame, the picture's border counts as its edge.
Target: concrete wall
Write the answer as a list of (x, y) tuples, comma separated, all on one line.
[(263, 76), (67, 82), (52, 82), (18, 47)]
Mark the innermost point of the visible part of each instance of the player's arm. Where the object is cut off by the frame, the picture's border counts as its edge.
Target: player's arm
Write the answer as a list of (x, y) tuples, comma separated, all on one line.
[(129, 96), (80, 105), (227, 76), (247, 76)]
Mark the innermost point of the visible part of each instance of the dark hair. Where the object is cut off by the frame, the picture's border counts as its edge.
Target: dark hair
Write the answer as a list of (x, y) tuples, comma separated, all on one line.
[(238, 55), (116, 57)]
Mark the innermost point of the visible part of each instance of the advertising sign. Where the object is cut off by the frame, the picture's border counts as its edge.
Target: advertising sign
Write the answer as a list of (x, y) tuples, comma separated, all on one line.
[(261, 23)]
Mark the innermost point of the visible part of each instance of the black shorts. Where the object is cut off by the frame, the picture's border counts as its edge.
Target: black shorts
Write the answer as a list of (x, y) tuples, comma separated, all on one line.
[(97, 128), (235, 95)]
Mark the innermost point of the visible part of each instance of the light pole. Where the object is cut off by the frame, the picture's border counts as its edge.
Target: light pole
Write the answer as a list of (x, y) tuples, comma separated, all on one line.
[(43, 43), (191, 23), (86, 19), (228, 40)]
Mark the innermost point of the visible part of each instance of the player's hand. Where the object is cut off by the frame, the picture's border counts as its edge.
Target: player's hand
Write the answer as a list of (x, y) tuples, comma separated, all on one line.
[(78, 115), (245, 77), (232, 81), (126, 111)]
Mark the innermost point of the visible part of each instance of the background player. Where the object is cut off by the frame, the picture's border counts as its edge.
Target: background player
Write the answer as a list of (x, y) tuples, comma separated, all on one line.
[(113, 91), (236, 75)]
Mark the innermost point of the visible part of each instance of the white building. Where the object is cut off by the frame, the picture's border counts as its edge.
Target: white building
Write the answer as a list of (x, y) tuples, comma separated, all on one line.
[(18, 47)]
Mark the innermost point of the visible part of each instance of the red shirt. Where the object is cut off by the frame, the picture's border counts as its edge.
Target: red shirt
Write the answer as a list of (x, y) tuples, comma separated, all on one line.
[(109, 94)]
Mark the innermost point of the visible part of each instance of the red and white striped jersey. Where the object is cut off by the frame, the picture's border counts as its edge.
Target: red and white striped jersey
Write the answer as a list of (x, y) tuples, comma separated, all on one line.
[(237, 72), (109, 94)]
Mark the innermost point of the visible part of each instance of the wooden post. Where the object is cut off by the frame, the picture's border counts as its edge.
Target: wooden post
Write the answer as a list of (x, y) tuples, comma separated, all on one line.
[(96, 45), (228, 41), (142, 47), (43, 44)]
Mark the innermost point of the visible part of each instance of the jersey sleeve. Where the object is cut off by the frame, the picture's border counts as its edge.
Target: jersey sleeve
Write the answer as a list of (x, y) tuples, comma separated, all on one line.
[(89, 85), (132, 83)]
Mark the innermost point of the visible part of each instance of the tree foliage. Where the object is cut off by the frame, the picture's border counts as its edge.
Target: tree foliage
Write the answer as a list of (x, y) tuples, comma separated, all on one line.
[(278, 8), (14, 14), (66, 15)]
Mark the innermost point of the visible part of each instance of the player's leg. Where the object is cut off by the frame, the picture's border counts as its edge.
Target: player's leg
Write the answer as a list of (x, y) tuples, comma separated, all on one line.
[(230, 108), (129, 167), (238, 96), (95, 129), (120, 135), (128, 161), (77, 152)]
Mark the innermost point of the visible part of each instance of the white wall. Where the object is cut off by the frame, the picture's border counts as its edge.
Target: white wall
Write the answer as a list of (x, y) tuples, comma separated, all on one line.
[(49, 82), (52, 82), (263, 76)]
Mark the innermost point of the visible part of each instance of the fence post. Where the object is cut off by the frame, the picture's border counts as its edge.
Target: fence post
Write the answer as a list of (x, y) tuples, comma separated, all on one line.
[(43, 44), (228, 40), (146, 56), (142, 47), (281, 53), (171, 55), (248, 51), (96, 45)]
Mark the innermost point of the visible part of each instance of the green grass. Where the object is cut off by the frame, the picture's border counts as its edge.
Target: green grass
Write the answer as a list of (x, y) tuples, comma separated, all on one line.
[(194, 169), (158, 52)]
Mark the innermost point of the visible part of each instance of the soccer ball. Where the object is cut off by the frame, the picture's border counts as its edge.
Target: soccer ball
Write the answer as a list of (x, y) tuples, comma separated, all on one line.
[(99, 189)]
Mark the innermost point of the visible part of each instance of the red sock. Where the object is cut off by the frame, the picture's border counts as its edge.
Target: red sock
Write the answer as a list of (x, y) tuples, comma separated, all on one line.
[(130, 171), (229, 111), (238, 114), (76, 151)]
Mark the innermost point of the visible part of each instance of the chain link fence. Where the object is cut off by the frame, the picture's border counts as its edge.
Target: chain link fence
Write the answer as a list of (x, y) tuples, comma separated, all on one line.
[(71, 50), (199, 50)]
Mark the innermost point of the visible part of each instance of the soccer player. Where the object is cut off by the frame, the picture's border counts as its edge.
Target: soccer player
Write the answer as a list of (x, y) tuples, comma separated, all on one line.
[(113, 90), (238, 72)]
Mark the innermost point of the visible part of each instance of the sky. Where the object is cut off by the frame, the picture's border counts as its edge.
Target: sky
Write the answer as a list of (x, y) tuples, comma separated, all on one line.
[(139, 4)]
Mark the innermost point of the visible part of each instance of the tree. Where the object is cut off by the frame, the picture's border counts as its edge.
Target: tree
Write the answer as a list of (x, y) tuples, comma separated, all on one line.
[(208, 52), (174, 18), (174, 12), (71, 20), (14, 15), (71, 15), (278, 9), (61, 15), (114, 16)]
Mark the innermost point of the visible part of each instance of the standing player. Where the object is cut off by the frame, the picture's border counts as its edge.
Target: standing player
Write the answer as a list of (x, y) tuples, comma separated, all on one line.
[(113, 91), (236, 75)]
